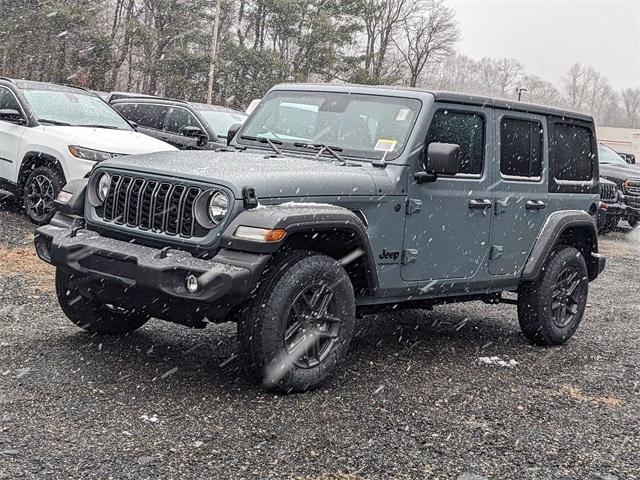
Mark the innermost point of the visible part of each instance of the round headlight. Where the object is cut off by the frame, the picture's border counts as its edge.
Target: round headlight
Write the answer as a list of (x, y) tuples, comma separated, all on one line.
[(218, 207), (103, 186)]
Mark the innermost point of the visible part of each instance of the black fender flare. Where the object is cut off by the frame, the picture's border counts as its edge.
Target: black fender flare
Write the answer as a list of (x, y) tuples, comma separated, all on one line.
[(306, 218), (556, 225)]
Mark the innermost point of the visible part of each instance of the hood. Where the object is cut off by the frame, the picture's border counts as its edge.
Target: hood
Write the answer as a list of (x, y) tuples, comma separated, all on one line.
[(125, 142), (619, 173), (279, 177)]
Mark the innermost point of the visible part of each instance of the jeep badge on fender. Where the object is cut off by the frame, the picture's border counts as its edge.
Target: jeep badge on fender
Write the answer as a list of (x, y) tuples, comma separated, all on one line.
[(499, 196)]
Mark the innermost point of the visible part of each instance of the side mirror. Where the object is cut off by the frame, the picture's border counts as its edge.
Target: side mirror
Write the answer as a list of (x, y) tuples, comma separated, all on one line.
[(233, 130), (442, 159), (13, 116), (195, 132)]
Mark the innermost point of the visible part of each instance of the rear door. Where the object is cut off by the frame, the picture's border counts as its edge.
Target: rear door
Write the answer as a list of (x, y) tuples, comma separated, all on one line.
[(520, 189)]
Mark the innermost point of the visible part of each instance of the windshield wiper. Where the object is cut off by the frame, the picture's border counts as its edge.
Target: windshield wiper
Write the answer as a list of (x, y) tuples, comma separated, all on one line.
[(321, 148), (54, 122), (111, 127), (271, 143)]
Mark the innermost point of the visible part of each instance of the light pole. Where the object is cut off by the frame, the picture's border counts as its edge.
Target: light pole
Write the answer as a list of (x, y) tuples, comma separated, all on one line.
[(520, 90), (214, 53)]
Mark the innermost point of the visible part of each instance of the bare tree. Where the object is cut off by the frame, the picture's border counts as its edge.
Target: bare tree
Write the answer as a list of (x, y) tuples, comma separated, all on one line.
[(540, 91), (631, 103), (381, 20), (429, 36)]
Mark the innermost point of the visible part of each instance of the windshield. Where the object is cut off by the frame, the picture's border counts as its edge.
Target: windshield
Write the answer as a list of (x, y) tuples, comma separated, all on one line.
[(220, 122), (607, 155), (70, 108), (365, 126)]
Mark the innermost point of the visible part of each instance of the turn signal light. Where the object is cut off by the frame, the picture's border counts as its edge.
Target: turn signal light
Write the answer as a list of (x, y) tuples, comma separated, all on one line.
[(260, 234)]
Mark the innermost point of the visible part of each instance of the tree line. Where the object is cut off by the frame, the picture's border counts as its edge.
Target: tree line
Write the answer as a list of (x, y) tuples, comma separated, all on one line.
[(165, 47)]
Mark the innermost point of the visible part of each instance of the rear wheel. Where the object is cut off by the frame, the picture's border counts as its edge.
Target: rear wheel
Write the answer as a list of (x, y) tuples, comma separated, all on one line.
[(297, 329), (551, 308), (90, 315), (40, 190), (633, 221)]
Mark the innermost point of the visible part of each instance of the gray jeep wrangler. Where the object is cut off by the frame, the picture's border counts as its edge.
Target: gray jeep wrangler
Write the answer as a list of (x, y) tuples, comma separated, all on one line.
[(334, 201)]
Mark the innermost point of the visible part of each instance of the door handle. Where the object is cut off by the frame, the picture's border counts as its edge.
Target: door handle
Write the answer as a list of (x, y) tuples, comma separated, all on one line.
[(535, 205), (480, 204)]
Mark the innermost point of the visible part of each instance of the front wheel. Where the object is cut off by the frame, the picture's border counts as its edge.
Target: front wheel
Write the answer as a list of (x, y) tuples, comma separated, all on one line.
[(40, 190), (90, 315), (297, 329), (551, 308)]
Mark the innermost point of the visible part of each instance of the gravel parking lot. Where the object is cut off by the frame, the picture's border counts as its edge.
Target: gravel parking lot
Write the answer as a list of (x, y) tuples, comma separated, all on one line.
[(418, 398)]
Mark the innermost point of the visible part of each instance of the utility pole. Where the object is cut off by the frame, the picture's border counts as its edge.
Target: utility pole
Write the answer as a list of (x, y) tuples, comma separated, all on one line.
[(214, 52)]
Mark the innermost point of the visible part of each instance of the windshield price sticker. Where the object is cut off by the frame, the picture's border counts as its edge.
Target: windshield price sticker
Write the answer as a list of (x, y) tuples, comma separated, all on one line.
[(385, 145), (402, 115)]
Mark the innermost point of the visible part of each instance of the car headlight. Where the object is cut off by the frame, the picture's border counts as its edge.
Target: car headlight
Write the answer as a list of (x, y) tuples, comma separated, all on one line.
[(103, 186), (218, 206), (89, 154)]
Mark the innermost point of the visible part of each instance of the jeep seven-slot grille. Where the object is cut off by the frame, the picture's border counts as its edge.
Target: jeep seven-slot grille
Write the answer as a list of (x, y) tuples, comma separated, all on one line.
[(608, 192), (160, 207)]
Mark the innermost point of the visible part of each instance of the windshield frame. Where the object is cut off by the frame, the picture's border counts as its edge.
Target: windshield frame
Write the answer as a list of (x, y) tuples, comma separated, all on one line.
[(42, 120), (347, 153)]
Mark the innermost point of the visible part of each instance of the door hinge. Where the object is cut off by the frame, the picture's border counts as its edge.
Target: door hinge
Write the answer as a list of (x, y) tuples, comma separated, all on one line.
[(413, 205), (496, 252), (409, 255)]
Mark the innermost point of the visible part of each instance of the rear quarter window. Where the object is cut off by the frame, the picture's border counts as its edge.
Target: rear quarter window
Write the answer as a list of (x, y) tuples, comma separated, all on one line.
[(573, 157)]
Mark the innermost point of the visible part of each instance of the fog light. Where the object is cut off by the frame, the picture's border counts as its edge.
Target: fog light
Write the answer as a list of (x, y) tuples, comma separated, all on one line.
[(192, 284)]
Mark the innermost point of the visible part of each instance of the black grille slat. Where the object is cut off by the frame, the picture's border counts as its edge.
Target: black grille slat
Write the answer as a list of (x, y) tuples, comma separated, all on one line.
[(188, 221), (174, 206), (146, 200), (145, 204)]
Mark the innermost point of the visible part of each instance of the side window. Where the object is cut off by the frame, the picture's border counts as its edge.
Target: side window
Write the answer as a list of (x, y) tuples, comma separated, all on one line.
[(150, 116), (573, 155), (521, 146), (178, 118), (8, 100), (462, 128)]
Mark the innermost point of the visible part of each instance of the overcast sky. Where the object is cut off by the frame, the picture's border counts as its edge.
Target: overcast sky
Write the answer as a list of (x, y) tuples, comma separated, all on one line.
[(548, 36)]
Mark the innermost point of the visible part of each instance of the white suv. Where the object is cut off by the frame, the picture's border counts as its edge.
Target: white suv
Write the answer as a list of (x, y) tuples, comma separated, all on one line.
[(50, 134)]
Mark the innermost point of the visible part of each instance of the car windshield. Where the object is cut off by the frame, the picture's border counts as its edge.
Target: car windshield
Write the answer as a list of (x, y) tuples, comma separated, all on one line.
[(71, 108), (357, 125), (606, 155), (221, 121)]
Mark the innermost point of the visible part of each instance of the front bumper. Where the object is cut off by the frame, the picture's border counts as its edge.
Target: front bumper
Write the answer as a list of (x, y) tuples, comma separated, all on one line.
[(229, 276), (607, 212)]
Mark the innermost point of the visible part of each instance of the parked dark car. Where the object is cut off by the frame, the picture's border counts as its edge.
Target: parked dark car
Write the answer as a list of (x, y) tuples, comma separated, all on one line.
[(611, 209), (626, 176), (185, 125)]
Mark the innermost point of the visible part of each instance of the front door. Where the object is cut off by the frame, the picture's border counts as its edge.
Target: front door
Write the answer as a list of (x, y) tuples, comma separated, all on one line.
[(520, 192), (449, 221)]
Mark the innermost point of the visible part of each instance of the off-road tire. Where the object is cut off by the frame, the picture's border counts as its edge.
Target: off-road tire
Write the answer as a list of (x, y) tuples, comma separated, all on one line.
[(33, 182), (536, 299), (90, 315), (263, 323)]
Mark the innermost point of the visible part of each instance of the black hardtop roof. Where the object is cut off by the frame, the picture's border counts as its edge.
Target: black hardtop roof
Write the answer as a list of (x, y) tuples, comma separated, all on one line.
[(174, 101), (440, 96)]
